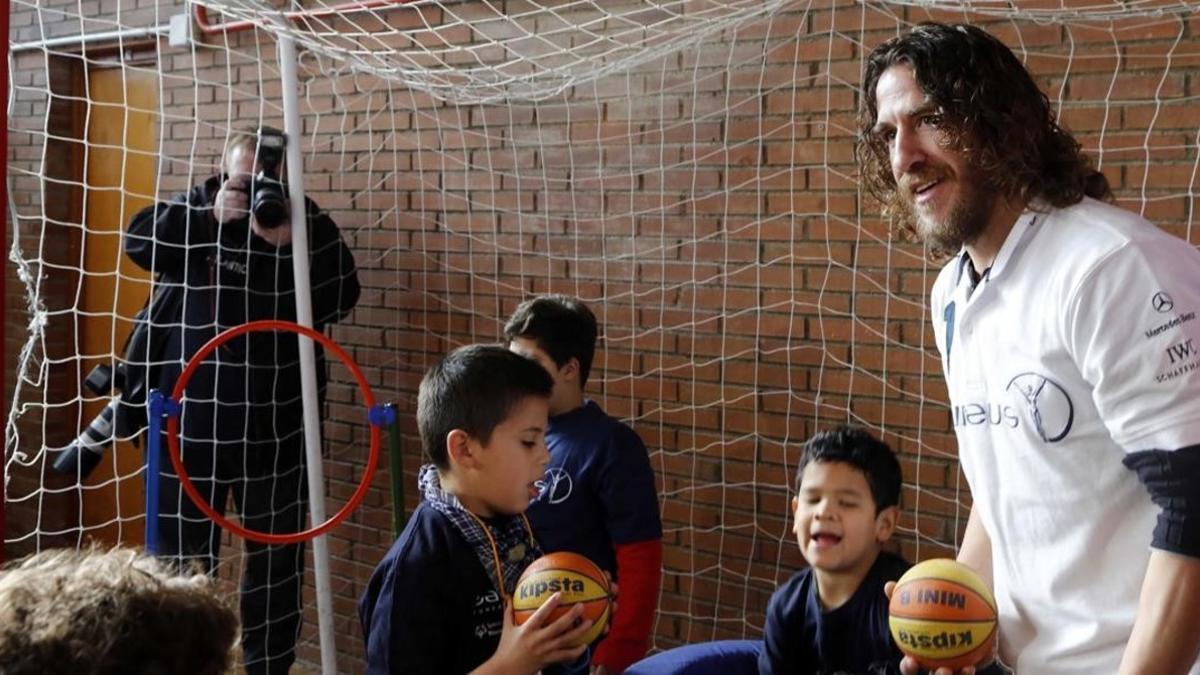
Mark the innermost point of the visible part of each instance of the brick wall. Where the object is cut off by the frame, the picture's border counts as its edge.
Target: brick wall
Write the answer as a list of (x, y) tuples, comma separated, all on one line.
[(705, 204)]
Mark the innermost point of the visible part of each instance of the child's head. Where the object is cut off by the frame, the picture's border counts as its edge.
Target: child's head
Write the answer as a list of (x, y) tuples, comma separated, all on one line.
[(118, 611), (847, 492), (482, 414), (560, 333)]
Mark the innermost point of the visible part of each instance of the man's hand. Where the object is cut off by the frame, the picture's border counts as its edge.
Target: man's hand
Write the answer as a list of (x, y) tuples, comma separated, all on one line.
[(233, 199), (976, 553), (280, 235), (233, 202), (909, 665)]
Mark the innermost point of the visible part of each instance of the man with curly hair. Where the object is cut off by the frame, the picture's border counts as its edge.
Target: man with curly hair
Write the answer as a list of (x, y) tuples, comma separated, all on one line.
[(1066, 331), (67, 612)]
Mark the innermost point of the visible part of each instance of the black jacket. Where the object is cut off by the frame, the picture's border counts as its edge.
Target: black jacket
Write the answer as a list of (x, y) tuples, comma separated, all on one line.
[(220, 275)]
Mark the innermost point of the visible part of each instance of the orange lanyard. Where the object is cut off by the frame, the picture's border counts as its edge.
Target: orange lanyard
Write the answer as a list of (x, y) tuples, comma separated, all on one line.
[(487, 532)]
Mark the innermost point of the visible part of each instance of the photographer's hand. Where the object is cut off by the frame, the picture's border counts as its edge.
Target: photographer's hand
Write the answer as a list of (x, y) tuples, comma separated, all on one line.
[(233, 199), (280, 235), (233, 202)]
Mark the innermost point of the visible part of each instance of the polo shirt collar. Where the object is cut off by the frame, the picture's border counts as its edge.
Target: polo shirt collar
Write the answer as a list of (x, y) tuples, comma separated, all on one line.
[(1016, 241)]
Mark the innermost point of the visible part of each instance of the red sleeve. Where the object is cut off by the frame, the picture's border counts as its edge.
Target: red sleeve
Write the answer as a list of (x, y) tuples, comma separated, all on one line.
[(639, 575)]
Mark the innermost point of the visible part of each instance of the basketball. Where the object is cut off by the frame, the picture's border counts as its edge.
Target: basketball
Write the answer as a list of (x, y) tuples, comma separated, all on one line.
[(943, 615), (579, 581)]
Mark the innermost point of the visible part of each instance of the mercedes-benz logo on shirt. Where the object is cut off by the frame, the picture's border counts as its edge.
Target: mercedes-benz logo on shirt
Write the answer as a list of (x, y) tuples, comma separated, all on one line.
[(1049, 407), (555, 486), (1162, 302)]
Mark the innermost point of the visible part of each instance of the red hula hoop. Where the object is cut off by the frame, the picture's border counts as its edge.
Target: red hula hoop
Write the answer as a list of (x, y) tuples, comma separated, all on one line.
[(186, 481)]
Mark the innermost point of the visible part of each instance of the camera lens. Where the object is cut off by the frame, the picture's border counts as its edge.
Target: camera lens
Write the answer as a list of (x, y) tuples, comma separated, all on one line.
[(100, 379), (86, 451), (268, 201)]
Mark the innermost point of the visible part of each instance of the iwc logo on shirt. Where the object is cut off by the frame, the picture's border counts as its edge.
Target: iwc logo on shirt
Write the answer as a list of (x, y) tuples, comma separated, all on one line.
[(1183, 359), (1046, 405)]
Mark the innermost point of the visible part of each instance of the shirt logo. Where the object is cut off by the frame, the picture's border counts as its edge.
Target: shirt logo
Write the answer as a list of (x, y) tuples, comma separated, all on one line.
[(1180, 351), (977, 414), (483, 630), (1047, 403), (232, 265), (489, 598), (1162, 303), (556, 486), (1176, 321)]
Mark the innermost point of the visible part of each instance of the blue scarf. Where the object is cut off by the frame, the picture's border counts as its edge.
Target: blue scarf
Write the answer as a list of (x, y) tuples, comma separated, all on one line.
[(515, 544)]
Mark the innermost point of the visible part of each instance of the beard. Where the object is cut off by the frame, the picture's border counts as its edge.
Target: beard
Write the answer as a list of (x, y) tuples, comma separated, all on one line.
[(967, 216)]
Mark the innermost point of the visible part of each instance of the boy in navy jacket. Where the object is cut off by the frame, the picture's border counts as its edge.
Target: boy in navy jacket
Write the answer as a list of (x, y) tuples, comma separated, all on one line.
[(440, 601)]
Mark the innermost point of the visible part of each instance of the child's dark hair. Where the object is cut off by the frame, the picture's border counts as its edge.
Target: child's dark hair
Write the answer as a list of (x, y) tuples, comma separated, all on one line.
[(854, 446), (474, 388), (562, 326)]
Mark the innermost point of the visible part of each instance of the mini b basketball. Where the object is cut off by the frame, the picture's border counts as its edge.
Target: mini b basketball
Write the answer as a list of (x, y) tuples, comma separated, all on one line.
[(943, 615), (578, 579)]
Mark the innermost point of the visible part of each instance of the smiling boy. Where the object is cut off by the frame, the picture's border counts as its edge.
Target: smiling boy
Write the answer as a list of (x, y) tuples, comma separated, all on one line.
[(833, 617)]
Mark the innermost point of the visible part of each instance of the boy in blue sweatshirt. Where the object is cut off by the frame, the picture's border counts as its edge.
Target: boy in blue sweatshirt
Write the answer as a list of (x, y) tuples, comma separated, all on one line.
[(598, 497), (440, 601)]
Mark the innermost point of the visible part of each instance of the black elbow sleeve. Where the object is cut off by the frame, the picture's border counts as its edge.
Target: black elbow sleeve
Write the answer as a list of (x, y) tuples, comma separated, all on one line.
[(1173, 480)]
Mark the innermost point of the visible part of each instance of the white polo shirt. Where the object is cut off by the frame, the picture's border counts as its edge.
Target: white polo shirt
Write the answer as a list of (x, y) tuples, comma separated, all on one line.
[(1081, 344)]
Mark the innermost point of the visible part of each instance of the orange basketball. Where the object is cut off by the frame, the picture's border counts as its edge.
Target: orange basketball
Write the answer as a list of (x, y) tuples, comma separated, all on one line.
[(579, 581), (943, 615)]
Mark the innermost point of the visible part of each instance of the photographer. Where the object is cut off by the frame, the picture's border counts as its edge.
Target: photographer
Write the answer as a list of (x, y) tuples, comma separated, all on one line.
[(226, 246)]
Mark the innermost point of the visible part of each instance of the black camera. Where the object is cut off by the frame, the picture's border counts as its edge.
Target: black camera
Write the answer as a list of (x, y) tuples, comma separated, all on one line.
[(85, 452), (268, 193)]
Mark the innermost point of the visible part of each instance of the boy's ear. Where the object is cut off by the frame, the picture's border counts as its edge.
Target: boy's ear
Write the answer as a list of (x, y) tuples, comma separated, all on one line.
[(570, 369), (458, 449), (885, 523)]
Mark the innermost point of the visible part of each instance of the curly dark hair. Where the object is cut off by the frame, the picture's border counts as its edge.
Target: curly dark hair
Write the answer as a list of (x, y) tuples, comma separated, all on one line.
[(991, 109), (67, 612)]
